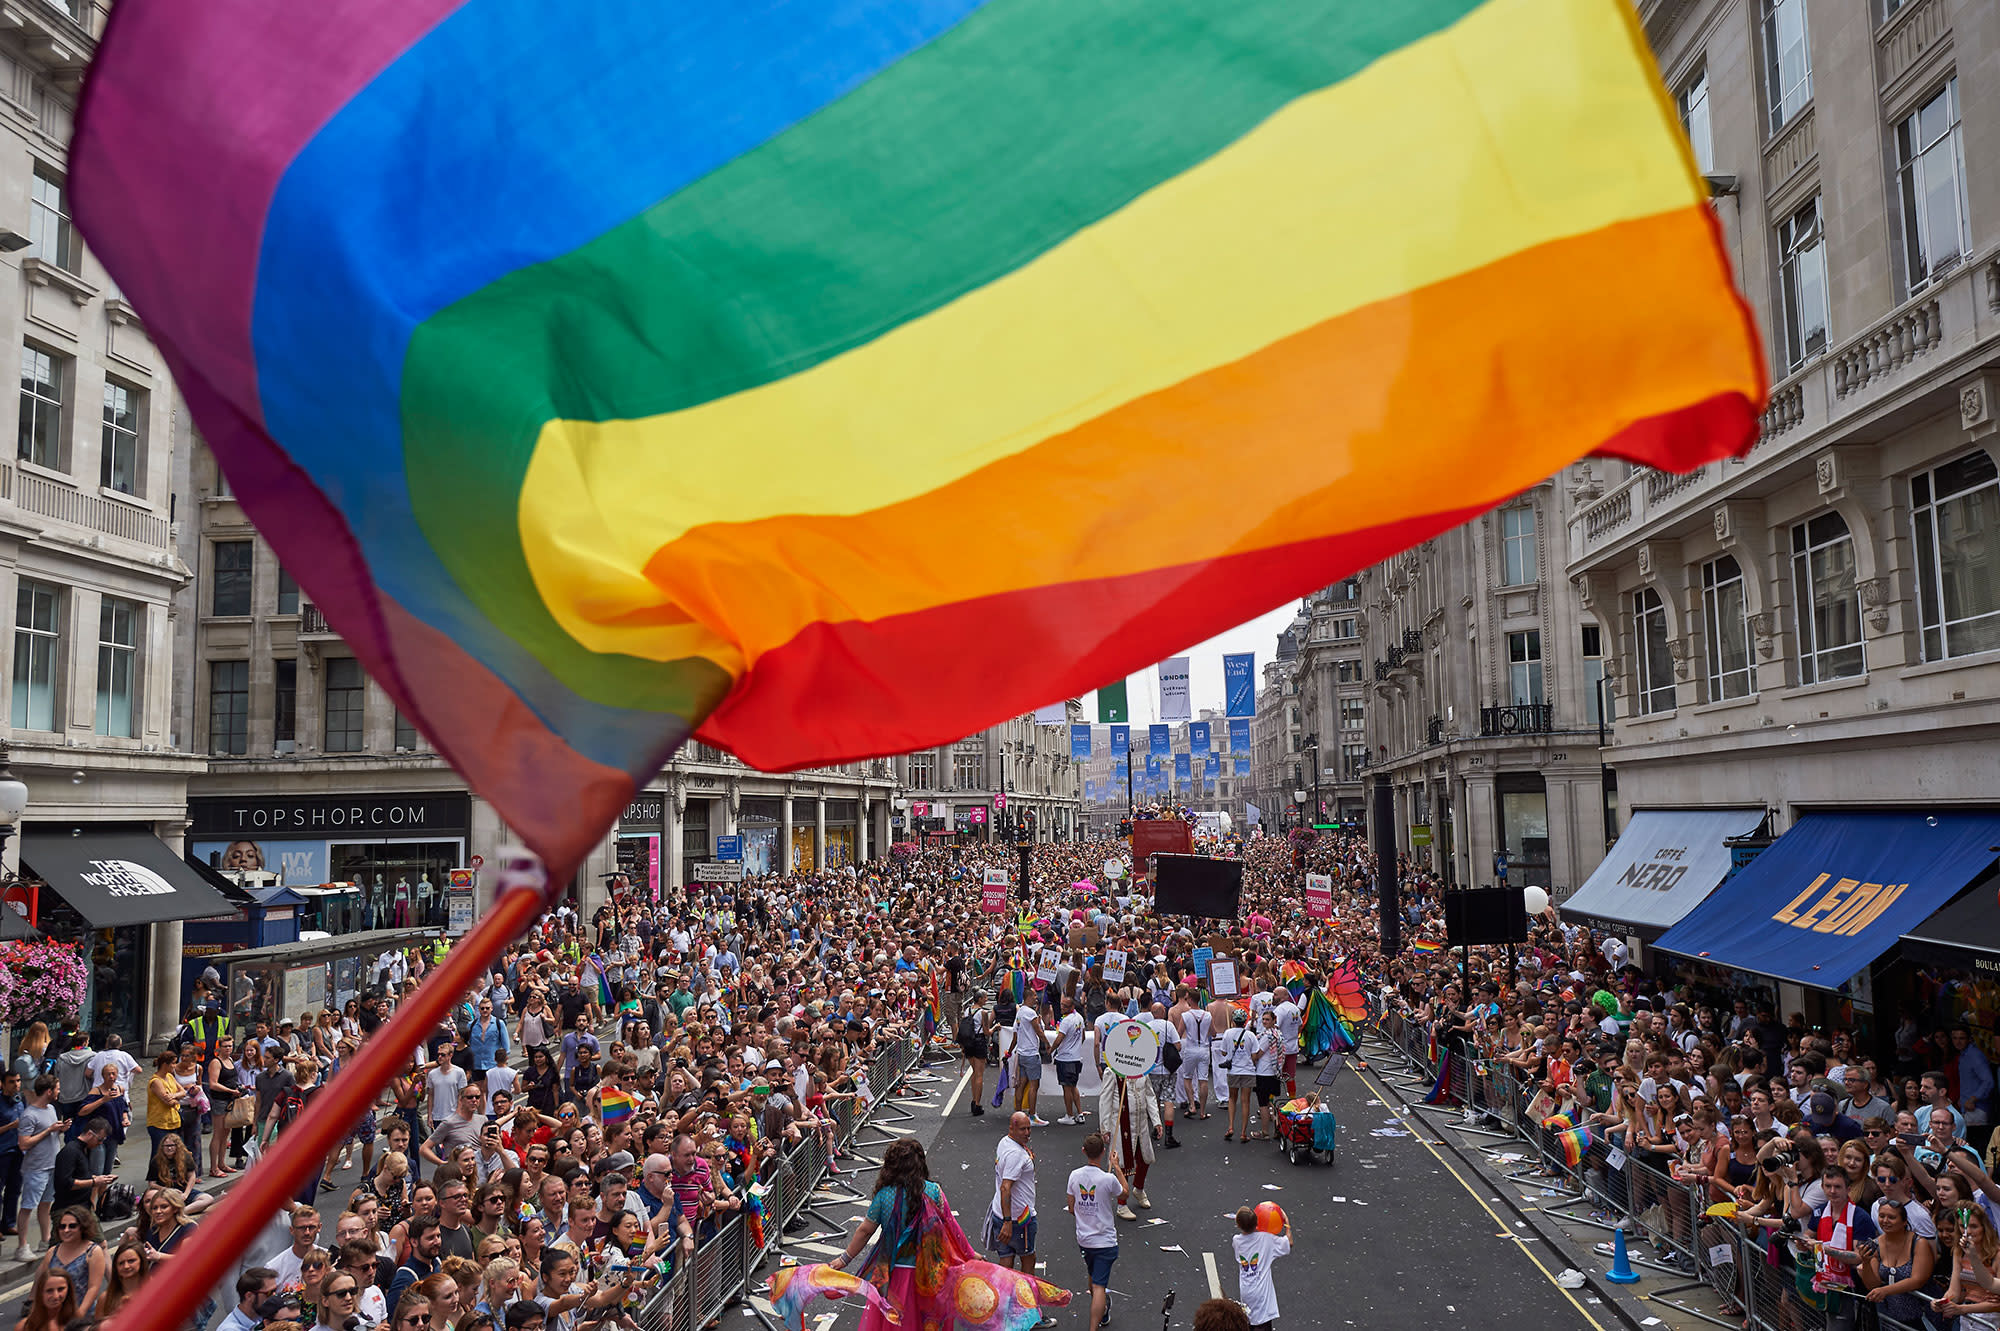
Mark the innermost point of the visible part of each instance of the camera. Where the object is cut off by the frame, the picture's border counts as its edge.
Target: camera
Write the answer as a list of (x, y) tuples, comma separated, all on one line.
[(1778, 1160), (1791, 1225)]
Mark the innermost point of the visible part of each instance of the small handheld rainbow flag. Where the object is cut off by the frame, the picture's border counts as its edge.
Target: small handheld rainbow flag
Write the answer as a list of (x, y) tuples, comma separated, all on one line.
[(595, 969), (1559, 1123), (1575, 1144), (1426, 946), (615, 1106)]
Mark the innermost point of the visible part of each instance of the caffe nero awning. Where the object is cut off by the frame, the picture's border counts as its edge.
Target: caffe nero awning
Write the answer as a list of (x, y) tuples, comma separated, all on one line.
[(114, 878), (1836, 892), (1665, 863)]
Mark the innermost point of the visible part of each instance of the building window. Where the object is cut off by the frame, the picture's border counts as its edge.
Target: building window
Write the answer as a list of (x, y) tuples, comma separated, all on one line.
[(230, 592), (42, 377), (117, 658), (346, 705), (968, 771), (288, 592), (1828, 603), (51, 237), (1594, 700), (1930, 180), (1787, 60), (1802, 276), (229, 707), (1347, 672), (1693, 100), (1344, 627), (1891, 7), (406, 734), (119, 460), (1524, 667), (285, 703), (37, 654), (1517, 546), (1956, 512), (1726, 628), (1656, 657), (1350, 714), (1353, 757), (922, 771)]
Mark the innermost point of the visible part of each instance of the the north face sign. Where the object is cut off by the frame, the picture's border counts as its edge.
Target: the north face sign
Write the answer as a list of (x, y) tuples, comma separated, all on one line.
[(123, 878)]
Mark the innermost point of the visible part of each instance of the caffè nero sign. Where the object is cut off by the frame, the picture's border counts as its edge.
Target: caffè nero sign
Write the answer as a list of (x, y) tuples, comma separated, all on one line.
[(321, 815)]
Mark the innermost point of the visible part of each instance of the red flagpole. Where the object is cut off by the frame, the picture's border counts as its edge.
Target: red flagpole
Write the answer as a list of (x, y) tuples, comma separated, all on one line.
[(192, 1273)]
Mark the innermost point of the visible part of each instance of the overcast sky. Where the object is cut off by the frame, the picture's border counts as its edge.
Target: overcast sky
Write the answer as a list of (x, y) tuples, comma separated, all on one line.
[(1260, 635)]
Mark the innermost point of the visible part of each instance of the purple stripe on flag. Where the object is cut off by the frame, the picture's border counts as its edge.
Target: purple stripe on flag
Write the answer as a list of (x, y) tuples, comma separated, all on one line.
[(169, 71)]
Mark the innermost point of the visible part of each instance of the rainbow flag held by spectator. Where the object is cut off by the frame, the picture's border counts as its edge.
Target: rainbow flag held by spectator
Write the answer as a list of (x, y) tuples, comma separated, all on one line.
[(1426, 946), (615, 1106), (606, 999), (1575, 1144)]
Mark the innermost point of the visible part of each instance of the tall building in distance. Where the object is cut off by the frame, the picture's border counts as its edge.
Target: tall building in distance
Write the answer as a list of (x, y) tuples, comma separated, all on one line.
[(1331, 688), (1482, 715), (1779, 625)]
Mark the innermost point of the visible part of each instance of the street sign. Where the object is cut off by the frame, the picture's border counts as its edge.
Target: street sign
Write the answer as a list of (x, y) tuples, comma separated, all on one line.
[(729, 848), (993, 885), (1319, 896), (1420, 835), (461, 880), (717, 871), (1000, 799), (458, 913)]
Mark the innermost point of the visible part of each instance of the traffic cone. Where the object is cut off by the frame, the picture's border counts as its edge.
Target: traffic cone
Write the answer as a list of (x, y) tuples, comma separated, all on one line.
[(1621, 1272)]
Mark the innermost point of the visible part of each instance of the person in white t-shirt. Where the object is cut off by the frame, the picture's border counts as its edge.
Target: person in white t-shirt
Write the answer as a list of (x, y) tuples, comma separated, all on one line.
[(1069, 1060), (1094, 1196), (1289, 1020), (1010, 1222), (1165, 1033), (1255, 1252)]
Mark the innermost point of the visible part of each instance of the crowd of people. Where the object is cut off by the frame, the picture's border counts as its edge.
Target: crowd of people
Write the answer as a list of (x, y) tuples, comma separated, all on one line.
[(621, 1085)]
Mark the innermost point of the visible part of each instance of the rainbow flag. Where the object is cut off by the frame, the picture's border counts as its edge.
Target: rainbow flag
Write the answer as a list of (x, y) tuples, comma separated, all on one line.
[(615, 1106), (1426, 946), (606, 999), (763, 385), (1575, 1144)]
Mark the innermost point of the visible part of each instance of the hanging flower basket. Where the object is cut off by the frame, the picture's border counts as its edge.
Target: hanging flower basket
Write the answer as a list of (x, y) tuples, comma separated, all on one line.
[(902, 850), (41, 980)]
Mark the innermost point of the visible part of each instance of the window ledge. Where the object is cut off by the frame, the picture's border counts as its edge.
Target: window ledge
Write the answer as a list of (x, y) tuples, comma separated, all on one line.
[(120, 497), (227, 619), (1726, 705), (1968, 662), (46, 473), (45, 274), (1642, 718), (1830, 686)]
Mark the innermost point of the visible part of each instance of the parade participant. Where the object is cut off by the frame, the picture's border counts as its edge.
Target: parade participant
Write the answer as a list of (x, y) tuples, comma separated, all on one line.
[(1093, 1195), (1029, 1039), (1255, 1251), (1010, 1222), (1236, 1059), (1197, 1043)]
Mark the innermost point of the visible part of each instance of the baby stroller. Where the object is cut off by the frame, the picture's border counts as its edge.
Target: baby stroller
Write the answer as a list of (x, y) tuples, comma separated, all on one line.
[(1306, 1130)]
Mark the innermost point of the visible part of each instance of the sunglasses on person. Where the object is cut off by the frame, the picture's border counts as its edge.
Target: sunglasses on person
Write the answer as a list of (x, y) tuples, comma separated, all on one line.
[(352, 1291), (416, 1319)]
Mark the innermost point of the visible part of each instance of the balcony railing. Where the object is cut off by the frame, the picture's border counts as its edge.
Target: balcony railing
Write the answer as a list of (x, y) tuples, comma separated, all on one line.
[(1529, 718), (312, 622), (1434, 731)]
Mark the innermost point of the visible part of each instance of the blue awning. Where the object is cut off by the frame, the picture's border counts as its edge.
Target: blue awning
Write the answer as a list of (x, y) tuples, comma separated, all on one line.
[(1836, 892)]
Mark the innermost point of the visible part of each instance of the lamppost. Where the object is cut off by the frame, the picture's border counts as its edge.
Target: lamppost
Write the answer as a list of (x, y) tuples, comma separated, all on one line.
[(1312, 746), (13, 801), (1299, 797)]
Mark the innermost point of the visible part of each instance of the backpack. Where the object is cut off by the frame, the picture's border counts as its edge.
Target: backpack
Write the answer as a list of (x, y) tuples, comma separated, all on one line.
[(968, 1031), (1093, 1002), (119, 1202)]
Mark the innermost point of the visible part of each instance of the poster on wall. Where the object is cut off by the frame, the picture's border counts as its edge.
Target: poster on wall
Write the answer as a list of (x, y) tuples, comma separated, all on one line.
[(802, 850), (760, 850), (297, 863), (639, 861)]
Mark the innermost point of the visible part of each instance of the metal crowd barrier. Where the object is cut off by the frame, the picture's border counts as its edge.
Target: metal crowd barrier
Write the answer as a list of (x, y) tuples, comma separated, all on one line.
[(1664, 1219), (726, 1263)]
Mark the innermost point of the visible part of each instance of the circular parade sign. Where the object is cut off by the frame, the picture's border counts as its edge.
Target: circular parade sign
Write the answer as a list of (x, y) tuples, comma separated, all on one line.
[(1114, 868), (1131, 1048)]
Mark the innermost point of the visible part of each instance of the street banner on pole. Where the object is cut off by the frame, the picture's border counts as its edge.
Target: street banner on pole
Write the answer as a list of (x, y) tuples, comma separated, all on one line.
[(1079, 741), (1239, 735), (1252, 814), (1053, 715), (1183, 767), (1174, 689), (1242, 764), (1211, 764), (1198, 737), (1239, 684), (1111, 704), (1160, 740), (1121, 741)]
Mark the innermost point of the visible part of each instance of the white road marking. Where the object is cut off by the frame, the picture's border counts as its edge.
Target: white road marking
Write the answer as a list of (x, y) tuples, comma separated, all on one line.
[(951, 1101), (1214, 1281)]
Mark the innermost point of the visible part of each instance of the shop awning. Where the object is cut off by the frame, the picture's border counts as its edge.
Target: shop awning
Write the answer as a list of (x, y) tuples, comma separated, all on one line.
[(1836, 892), (113, 878), (1664, 864), (1965, 933)]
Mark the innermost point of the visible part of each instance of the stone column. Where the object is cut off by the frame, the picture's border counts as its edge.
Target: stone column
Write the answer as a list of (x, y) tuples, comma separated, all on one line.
[(1563, 810), (785, 831), (819, 832), (861, 826), (674, 815), (1482, 832)]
